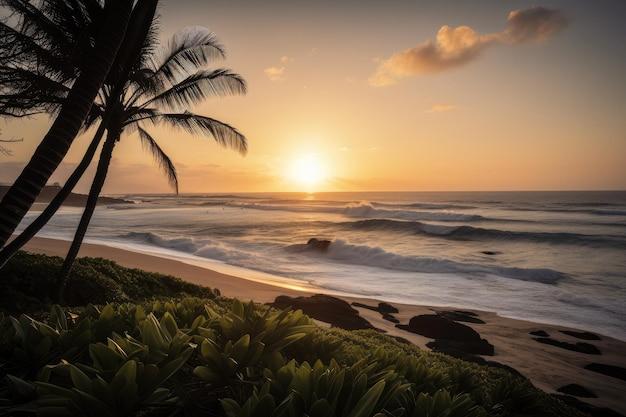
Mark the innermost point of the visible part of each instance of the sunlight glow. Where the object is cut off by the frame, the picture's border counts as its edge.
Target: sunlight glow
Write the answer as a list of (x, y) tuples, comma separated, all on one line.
[(307, 170)]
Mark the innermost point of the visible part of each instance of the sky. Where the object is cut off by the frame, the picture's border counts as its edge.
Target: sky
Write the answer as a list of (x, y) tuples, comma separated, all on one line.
[(392, 96)]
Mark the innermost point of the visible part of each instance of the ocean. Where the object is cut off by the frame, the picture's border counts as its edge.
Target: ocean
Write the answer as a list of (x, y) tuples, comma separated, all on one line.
[(553, 257)]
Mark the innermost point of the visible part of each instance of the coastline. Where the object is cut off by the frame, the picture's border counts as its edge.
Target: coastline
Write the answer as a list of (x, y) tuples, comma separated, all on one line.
[(548, 367)]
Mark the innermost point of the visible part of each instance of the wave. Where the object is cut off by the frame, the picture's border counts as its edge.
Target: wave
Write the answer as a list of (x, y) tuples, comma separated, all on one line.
[(595, 212), (478, 233), (426, 206), (200, 247), (341, 251), (367, 210)]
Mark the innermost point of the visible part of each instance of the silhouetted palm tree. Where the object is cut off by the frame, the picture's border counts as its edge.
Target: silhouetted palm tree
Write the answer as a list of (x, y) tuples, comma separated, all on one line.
[(185, 50), (160, 93), (34, 39)]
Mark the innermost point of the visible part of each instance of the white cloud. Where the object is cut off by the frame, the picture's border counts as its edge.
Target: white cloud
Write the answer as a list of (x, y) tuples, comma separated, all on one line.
[(275, 73)]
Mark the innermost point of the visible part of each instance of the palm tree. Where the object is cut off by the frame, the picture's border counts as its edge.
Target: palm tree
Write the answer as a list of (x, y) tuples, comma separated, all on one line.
[(36, 36), (160, 93), (185, 50)]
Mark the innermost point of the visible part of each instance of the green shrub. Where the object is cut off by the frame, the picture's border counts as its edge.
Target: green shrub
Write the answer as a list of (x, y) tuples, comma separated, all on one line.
[(163, 353), (29, 283)]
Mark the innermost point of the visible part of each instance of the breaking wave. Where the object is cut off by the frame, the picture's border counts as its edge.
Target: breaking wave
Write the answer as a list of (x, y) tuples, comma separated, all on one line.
[(478, 233), (367, 210), (341, 251)]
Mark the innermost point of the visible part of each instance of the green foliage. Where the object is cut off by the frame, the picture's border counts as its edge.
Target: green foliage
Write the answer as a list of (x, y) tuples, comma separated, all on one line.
[(442, 404), (245, 337), (333, 390), (214, 356), (124, 374), (28, 281)]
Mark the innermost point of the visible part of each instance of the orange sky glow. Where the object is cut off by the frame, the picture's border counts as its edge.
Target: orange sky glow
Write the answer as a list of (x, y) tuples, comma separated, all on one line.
[(503, 96)]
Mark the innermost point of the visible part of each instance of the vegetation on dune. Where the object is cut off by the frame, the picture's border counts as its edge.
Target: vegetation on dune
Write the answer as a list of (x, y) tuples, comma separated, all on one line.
[(166, 347), (30, 283)]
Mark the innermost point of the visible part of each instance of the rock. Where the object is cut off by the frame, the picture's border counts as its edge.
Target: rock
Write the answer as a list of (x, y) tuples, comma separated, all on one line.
[(577, 391), (387, 308), (587, 348), (325, 308), (539, 333), (587, 408), (390, 318), (608, 370), (457, 347), (458, 315), (383, 308), (318, 244), (361, 305), (438, 327), (490, 252), (450, 336), (581, 335)]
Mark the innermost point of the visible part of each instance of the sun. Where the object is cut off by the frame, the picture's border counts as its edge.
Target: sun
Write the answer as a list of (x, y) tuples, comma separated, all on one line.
[(307, 170)]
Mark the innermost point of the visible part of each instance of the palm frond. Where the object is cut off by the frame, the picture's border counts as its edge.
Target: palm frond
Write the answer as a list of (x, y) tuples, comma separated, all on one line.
[(187, 50), (165, 163), (21, 50), (224, 134), (135, 114), (96, 113), (24, 92), (198, 87)]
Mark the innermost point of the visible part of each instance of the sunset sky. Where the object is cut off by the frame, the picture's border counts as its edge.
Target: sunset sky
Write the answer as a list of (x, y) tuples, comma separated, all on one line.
[(394, 95)]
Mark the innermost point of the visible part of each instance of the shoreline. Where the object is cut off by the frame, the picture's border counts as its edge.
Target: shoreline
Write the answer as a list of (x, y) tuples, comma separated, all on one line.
[(548, 367)]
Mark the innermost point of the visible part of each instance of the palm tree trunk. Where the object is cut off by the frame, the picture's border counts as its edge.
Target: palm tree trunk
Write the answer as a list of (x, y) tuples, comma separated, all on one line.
[(92, 200), (16, 244), (54, 146)]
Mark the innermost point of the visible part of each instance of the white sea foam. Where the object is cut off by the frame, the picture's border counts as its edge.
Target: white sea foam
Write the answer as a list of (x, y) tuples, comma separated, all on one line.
[(342, 251), (365, 210)]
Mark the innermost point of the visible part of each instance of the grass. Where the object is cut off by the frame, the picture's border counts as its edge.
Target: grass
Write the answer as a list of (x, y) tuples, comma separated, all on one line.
[(134, 343)]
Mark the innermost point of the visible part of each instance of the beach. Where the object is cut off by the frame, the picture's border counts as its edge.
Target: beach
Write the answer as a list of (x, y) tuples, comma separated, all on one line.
[(547, 366)]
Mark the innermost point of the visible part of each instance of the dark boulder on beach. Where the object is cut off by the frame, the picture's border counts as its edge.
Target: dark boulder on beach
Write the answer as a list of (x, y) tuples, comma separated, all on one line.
[(459, 348), (608, 370), (539, 333), (577, 391), (332, 310), (458, 315), (581, 335), (391, 318), (449, 335), (382, 308), (586, 348), (438, 327), (587, 408), (318, 244), (387, 308)]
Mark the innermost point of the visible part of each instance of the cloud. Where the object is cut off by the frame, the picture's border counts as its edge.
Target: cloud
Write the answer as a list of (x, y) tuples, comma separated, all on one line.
[(275, 73), (536, 24), (441, 108), (454, 47)]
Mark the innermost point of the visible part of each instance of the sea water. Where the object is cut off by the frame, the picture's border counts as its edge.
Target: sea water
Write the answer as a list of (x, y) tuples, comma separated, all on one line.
[(554, 257)]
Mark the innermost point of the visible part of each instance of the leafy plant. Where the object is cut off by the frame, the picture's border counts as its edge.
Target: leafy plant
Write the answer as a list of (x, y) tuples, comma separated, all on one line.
[(442, 404)]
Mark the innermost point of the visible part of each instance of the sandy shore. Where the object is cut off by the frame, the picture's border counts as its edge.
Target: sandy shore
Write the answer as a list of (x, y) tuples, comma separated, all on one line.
[(548, 367)]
